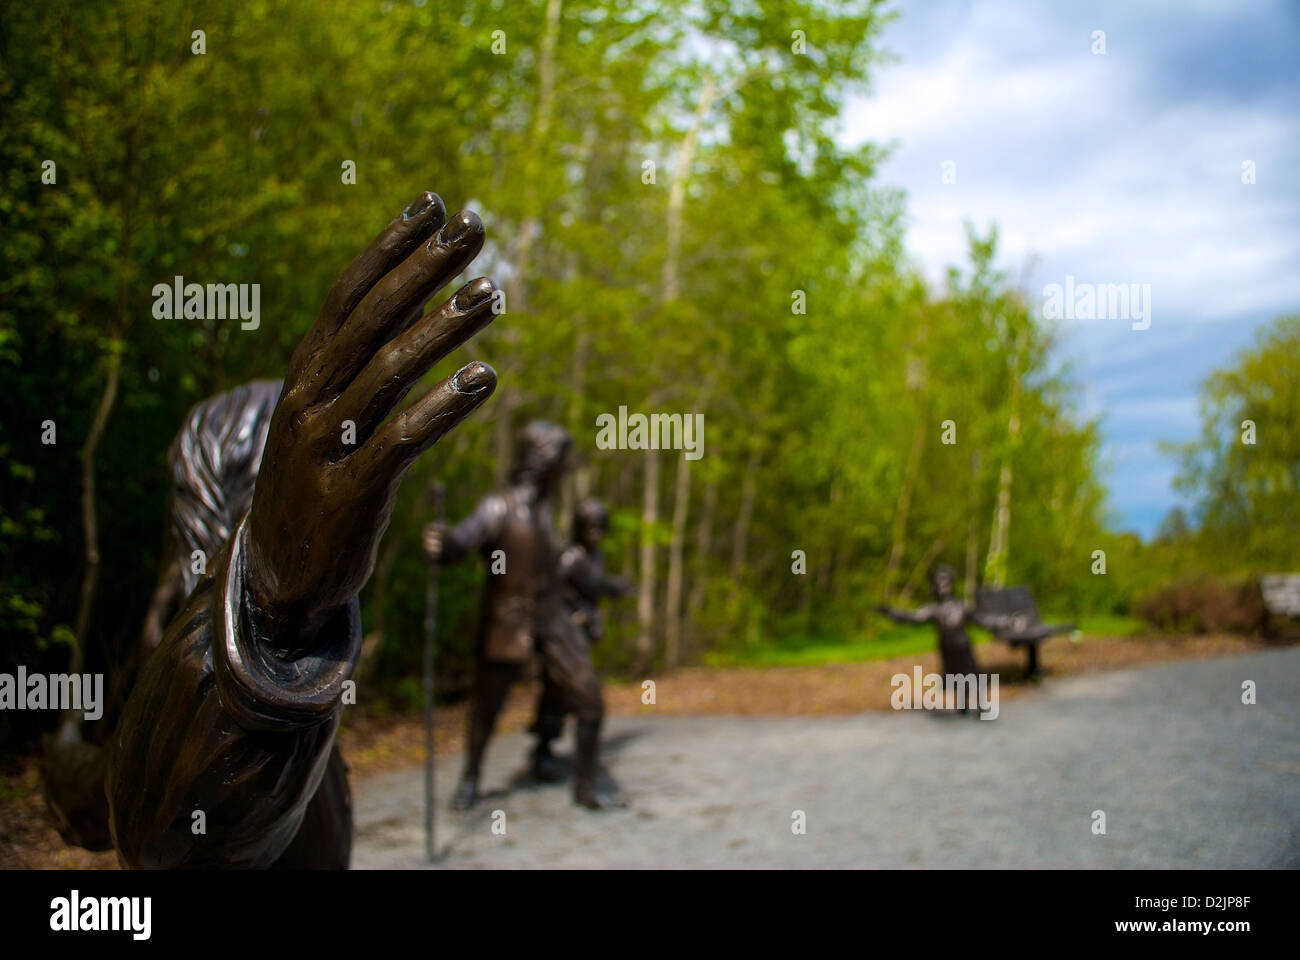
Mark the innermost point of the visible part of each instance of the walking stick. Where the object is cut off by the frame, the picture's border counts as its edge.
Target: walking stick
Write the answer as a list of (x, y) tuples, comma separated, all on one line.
[(430, 628)]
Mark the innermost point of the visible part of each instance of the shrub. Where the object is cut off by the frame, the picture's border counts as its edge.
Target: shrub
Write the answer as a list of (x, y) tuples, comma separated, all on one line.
[(1205, 604)]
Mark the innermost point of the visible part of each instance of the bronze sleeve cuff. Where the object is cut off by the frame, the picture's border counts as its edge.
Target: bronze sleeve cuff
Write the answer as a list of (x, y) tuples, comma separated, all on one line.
[(261, 690)]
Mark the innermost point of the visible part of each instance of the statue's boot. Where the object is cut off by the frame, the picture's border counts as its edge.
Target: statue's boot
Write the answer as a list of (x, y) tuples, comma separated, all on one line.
[(589, 788), (548, 726), (490, 689), (547, 767), (466, 794), (480, 729)]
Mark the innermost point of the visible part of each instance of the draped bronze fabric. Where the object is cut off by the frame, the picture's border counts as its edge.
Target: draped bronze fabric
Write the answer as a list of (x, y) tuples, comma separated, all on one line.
[(219, 726), (213, 462)]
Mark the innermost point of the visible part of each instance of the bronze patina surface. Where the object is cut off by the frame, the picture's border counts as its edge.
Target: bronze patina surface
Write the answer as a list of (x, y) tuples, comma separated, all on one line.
[(225, 754), (583, 584), (950, 617), (523, 611)]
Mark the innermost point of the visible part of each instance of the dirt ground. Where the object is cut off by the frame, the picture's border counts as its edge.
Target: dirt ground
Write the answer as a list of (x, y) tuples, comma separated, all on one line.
[(370, 746)]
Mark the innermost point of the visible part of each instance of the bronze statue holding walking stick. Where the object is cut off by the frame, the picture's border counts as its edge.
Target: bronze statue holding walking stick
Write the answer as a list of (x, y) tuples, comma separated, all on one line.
[(522, 611)]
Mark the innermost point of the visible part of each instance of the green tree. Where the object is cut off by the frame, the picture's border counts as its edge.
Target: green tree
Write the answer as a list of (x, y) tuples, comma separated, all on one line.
[(1244, 470)]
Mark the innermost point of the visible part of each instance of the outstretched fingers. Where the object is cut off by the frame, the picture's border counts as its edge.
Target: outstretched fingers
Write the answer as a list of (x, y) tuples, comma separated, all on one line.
[(408, 230), (398, 365), (412, 227), (398, 297), (394, 447)]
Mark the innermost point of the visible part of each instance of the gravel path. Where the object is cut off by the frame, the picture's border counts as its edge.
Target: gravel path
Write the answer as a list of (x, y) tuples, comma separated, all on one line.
[(1186, 774)]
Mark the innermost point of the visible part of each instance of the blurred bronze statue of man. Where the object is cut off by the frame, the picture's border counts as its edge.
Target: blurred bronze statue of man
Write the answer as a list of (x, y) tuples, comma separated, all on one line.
[(583, 584), (523, 612), (225, 754), (950, 616)]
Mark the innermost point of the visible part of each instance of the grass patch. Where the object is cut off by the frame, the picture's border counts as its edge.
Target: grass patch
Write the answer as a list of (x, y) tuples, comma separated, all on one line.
[(894, 640)]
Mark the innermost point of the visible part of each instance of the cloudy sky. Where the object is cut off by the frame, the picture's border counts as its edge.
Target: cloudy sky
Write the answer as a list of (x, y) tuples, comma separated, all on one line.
[(1122, 167)]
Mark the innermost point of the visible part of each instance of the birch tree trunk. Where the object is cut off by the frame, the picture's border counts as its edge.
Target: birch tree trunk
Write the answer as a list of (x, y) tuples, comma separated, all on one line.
[(972, 531), (507, 399), (899, 538), (645, 601), (826, 569), (740, 541), (673, 606), (677, 193), (89, 519), (917, 381), (703, 545), (995, 567), (669, 291)]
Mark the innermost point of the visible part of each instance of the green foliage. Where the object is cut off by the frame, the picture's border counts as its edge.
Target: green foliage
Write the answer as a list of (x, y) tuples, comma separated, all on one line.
[(227, 167), (1245, 469)]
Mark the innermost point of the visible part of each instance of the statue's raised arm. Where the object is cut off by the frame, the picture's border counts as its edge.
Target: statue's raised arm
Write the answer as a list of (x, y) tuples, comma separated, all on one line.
[(225, 752), (923, 615)]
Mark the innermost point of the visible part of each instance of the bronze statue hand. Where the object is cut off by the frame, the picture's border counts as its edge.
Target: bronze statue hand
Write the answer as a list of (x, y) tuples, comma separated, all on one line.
[(332, 464)]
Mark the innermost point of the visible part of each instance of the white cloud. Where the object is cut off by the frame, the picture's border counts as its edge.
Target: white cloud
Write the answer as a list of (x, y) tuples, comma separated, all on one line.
[(1101, 167)]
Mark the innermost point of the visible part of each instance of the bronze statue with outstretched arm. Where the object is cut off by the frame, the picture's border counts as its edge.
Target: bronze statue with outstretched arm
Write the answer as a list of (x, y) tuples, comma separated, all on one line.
[(225, 754), (950, 617)]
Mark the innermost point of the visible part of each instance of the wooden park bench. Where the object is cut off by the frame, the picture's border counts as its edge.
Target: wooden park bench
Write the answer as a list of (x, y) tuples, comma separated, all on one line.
[(1281, 593), (1013, 618)]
